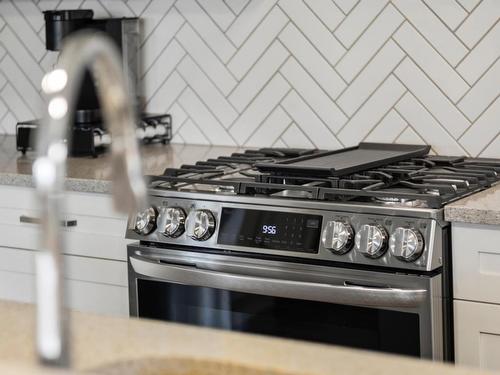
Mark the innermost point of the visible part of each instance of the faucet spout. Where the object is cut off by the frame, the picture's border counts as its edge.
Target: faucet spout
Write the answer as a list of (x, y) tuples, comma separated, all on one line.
[(61, 87)]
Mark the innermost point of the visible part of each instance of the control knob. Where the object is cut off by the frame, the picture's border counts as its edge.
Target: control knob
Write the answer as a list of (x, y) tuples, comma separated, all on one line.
[(145, 221), (201, 225), (371, 240), (338, 237), (406, 244), (175, 219)]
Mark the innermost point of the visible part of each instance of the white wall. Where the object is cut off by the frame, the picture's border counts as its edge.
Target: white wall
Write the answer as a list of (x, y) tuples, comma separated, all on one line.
[(299, 73)]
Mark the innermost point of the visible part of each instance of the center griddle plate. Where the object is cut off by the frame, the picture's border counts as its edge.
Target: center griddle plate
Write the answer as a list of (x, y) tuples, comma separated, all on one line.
[(345, 161)]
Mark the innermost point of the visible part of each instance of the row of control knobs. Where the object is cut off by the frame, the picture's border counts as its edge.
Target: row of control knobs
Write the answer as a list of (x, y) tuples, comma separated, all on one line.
[(371, 240), (199, 225), (406, 244)]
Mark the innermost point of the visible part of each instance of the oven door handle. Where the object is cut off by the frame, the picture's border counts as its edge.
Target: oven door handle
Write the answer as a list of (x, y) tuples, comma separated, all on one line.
[(354, 295)]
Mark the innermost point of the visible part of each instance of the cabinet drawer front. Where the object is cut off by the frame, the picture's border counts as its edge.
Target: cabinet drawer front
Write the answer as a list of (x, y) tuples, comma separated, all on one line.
[(15, 286), (17, 260), (83, 296), (92, 236), (477, 335), (99, 230), (98, 298), (476, 262), (77, 268), (96, 270), (92, 204)]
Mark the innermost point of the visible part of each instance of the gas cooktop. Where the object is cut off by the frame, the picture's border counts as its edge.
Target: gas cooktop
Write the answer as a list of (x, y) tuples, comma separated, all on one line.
[(423, 181), (374, 205)]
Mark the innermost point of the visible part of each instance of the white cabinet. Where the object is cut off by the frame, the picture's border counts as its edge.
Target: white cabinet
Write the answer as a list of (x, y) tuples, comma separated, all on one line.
[(477, 334), (95, 257), (476, 262), (476, 292)]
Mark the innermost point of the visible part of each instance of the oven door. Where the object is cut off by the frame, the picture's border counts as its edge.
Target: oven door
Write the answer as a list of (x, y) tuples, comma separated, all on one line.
[(363, 309)]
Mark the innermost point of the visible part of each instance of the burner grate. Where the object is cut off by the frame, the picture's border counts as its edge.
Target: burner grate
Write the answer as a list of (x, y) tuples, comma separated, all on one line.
[(431, 181)]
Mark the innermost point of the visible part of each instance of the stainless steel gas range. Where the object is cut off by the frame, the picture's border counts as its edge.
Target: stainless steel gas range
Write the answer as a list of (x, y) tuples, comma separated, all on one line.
[(344, 247)]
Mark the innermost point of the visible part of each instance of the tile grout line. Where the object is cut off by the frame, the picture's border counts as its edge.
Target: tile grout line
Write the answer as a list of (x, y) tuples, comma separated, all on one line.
[(146, 71), (293, 122), (313, 78), (445, 129), (371, 60), (453, 103), (385, 116), (473, 48), (434, 48), (321, 53), (306, 102), (206, 44), (267, 116), (370, 96), (363, 32), (275, 40), (226, 129), (261, 89)]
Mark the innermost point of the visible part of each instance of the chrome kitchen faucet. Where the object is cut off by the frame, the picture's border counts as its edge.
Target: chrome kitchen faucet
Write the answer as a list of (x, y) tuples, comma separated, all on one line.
[(98, 54)]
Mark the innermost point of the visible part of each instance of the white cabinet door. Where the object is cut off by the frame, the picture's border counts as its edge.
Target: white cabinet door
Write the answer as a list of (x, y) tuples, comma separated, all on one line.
[(477, 335), (476, 262)]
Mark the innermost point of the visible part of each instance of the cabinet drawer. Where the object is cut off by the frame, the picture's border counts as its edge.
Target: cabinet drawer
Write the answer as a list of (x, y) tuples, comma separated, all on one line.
[(94, 285), (91, 204), (100, 236), (83, 296), (476, 262), (76, 268), (477, 335), (15, 286), (98, 298)]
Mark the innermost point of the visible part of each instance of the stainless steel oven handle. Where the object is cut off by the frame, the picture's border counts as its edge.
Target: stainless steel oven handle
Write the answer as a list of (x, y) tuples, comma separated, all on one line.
[(339, 294)]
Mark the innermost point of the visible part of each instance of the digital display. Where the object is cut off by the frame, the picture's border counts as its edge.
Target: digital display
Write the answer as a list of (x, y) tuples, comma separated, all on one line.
[(270, 230)]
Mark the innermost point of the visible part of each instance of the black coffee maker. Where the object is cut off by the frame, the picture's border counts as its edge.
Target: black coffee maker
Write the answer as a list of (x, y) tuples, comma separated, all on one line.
[(123, 31), (89, 135)]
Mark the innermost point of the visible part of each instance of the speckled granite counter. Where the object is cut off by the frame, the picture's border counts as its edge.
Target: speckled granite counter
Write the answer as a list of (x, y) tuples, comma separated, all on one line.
[(89, 174), (480, 208), (102, 341)]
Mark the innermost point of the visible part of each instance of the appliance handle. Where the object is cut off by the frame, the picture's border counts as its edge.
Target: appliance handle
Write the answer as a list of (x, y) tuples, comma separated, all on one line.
[(340, 294)]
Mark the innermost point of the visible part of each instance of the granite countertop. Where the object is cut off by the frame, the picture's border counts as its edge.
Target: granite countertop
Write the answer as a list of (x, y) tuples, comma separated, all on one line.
[(100, 342), (88, 174), (480, 208)]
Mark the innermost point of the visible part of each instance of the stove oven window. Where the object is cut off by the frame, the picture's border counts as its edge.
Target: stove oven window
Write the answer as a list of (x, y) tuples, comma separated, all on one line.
[(366, 328)]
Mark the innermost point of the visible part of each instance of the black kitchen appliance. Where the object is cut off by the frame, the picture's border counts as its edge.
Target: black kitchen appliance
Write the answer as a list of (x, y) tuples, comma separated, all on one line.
[(89, 135), (123, 31), (91, 140)]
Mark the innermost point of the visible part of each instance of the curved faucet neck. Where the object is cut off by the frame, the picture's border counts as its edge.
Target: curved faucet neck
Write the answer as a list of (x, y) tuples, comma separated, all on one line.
[(98, 54)]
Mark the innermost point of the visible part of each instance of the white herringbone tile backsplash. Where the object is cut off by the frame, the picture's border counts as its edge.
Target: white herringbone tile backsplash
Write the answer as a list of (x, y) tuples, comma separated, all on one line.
[(324, 73)]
